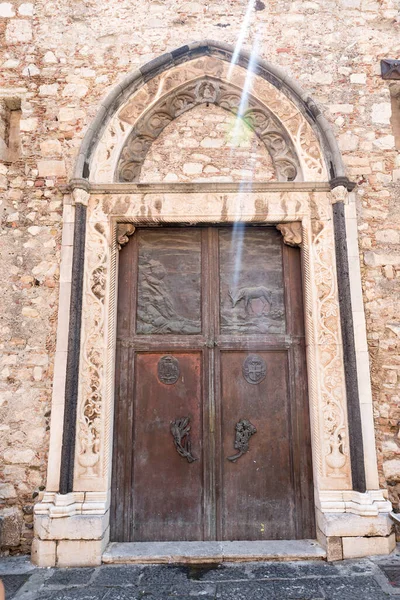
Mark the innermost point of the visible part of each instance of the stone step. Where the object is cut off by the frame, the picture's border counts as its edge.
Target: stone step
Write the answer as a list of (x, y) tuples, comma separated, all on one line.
[(212, 552)]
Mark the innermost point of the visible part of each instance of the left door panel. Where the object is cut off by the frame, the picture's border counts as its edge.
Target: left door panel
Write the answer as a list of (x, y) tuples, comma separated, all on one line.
[(167, 449)]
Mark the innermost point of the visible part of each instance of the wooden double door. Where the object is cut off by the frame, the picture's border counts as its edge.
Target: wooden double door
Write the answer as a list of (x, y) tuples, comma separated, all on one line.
[(212, 431)]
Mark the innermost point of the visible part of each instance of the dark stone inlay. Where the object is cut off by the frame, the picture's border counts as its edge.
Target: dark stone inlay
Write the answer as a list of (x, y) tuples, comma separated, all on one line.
[(73, 355), (349, 351)]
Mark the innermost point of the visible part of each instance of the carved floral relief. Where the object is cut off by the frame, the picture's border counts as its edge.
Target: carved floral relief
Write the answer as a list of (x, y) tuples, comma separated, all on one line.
[(329, 349), (93, 359)]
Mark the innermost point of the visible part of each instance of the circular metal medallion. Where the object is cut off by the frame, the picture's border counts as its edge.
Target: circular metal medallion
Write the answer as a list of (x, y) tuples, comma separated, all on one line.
[(168, 369), (254, 369)]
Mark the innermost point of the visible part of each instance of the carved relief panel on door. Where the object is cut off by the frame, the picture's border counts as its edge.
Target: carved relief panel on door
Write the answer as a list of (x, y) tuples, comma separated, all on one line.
[(251, 284), (169, 282)]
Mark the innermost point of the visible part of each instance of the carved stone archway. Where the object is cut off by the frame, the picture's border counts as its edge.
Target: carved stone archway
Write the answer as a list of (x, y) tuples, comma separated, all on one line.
[(105, 194), (207, 90)]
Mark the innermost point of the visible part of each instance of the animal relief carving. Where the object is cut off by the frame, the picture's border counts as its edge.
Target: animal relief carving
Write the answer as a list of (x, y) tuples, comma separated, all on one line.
[(248, 294)]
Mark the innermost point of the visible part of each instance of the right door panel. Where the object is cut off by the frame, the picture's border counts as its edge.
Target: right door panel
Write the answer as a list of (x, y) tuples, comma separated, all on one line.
[(257, 489)]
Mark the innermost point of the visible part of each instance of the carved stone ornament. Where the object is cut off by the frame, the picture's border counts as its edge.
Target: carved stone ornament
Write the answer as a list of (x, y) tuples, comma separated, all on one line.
[(292, 233), (208, 90), (254, 369), (124, 231), (339, 194), (168, 370), (80, 196)]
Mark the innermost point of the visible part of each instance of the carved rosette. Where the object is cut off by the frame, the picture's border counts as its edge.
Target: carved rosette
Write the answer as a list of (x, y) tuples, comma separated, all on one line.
[(329, 349), (208, 90), (93, 355)]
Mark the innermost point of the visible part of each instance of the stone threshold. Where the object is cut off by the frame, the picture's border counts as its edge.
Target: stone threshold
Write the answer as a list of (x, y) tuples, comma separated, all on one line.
[(212, 552)]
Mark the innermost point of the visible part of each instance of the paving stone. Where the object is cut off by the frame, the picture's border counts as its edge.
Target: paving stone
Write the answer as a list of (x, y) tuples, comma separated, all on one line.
[(275, 570), (129, 593), (301, 589), (316, 569), (70, 577), (190, 588), (12, 583), (78, 593), (162, 575), (352, 588), (117, 575), (246, 591), (219, 572), (392, 572)]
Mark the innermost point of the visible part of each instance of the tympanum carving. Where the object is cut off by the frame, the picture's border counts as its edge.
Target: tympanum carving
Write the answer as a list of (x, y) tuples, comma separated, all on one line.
[(208, 90)]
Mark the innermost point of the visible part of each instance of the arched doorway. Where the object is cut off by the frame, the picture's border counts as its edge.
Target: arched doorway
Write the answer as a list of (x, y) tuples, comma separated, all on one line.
[(305, 197)]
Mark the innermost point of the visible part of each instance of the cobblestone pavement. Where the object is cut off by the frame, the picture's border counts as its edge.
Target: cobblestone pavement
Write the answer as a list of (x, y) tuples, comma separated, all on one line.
[(366, 579)]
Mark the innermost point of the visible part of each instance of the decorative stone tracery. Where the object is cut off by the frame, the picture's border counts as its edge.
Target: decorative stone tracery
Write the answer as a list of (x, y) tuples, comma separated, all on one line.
[(208, 90)]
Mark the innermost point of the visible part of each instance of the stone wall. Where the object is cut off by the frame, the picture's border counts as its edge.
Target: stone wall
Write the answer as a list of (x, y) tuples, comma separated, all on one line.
[(207, 144), (60, 59)]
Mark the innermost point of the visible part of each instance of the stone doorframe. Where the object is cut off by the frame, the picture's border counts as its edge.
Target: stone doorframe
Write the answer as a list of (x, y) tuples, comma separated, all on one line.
[(72, 518)]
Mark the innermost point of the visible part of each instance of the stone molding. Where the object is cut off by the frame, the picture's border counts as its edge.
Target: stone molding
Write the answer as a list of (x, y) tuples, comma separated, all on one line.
[(367, 504), (55, 505)]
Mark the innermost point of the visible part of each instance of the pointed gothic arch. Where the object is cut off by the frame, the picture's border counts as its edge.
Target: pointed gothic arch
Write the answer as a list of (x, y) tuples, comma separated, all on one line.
[(209, 90), (311, 137)]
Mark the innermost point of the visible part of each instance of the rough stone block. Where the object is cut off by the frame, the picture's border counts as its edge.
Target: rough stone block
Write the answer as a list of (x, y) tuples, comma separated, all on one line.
[(50, 168), (11, 521), (350, 525), (6, 10), (357, 547), (18, 31), (82, 553), (43, 553), (391, 469)]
